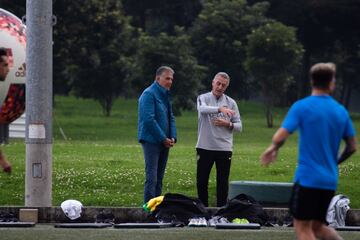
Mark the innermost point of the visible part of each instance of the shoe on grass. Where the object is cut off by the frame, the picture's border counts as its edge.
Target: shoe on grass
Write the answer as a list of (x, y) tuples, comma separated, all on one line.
[(240, 221), (202, 222), (193, 222)]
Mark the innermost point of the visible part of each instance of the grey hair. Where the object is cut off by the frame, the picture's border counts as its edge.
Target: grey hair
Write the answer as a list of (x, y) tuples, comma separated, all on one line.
[(162, 69), (224, 75)]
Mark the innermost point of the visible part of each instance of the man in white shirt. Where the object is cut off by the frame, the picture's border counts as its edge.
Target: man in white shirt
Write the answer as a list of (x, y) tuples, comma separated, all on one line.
[(218, 118)]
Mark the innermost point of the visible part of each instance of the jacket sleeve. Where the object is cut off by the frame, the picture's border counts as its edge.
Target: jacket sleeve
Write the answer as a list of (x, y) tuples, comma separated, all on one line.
[(203, 108), (147, 108), (236, 119), (172, 124)]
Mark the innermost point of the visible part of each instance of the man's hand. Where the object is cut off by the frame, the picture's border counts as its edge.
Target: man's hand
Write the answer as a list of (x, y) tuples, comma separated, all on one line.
[(227, 111), (169, 142), (271, 152), (269, 155), (220, 122)]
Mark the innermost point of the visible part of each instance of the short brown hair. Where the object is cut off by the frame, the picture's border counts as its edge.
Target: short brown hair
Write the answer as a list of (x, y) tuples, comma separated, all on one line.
[(321, 74)]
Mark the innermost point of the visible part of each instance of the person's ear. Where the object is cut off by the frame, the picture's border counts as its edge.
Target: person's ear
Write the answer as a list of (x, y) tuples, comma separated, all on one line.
[(332, 84)]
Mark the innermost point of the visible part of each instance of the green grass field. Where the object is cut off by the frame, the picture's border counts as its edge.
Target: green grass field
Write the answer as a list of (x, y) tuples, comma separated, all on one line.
[(101, 163), (49, 232)]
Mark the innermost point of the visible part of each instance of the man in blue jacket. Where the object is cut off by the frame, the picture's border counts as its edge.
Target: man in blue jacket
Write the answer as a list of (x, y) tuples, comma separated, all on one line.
[(156, 130), (322, 123)]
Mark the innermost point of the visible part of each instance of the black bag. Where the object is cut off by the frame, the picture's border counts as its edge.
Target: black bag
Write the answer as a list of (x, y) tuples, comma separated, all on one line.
[(178, 208), (243, 206)]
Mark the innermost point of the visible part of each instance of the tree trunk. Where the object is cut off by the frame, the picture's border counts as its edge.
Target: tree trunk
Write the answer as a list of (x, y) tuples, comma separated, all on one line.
[(109, 103), (269, 117), (268, 103), (304, 83), (106, 105)]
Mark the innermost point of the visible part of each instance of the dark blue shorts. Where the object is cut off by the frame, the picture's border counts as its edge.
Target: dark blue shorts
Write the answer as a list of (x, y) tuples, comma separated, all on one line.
[(310, 203)]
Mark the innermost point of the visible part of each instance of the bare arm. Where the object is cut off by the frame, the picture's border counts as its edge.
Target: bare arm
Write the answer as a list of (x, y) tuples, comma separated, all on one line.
[(349, 149), (271, 152)]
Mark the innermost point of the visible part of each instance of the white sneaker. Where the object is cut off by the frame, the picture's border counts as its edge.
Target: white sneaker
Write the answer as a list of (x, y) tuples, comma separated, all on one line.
[(223, 220), (216, 220), (193, 222), (202, 222), (212, 222)]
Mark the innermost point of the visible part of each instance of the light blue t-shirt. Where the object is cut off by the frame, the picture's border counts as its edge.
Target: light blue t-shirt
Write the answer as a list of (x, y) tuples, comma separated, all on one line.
[(322, 124)]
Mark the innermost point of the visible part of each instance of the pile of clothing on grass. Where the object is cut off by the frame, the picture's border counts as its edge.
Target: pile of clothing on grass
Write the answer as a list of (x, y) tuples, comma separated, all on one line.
[(182, 210)]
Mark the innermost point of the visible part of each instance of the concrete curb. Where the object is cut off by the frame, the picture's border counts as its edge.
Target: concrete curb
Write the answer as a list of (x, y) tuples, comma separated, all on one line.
[(131, 214)]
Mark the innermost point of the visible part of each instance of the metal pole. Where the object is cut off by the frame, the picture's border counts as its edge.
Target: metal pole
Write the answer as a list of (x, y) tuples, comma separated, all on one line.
[(39, 25)]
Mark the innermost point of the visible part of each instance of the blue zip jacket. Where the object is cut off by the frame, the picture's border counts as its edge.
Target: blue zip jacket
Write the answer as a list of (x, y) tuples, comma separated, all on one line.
[(155, 117)]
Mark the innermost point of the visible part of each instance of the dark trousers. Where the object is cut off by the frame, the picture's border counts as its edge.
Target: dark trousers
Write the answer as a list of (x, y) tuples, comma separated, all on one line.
[(206, 160)]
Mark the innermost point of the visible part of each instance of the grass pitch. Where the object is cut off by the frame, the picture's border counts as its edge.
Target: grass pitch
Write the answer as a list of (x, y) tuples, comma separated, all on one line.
[(49, 232), (101, 163)]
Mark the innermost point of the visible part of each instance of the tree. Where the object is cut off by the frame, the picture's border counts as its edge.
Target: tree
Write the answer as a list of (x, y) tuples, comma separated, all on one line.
[(348, 64), (176, 52), (158, 16), (16, 7), (273, 58), (219, 38), (93, 52), (322, 26)]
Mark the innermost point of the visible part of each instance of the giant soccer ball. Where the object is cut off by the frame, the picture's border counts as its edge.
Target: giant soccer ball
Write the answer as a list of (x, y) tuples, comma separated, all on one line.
[(12, 90)]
